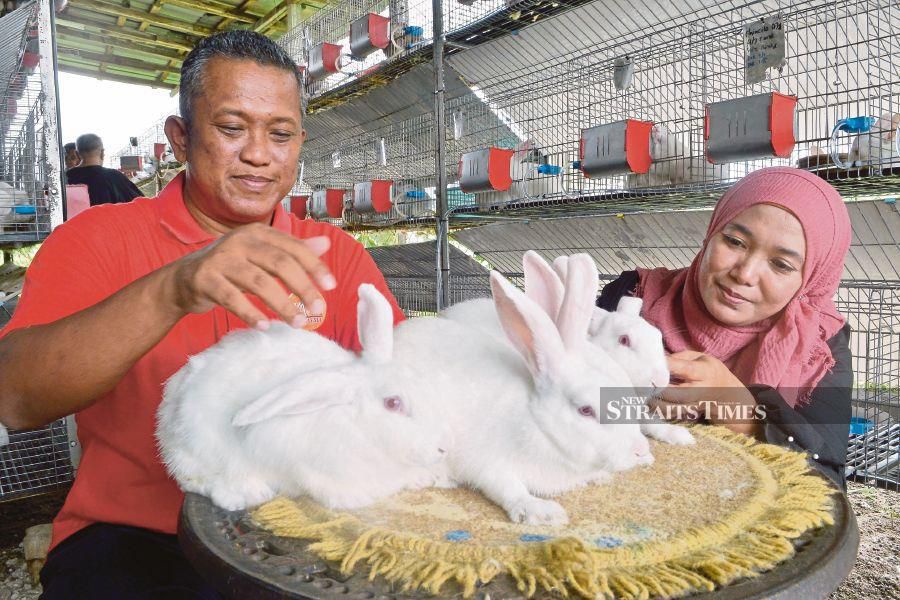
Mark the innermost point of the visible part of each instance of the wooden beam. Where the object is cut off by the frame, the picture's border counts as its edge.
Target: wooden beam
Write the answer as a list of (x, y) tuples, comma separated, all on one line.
[(124, 33), (271, 18), (154, 8), (120, 21), (70, 37), (213, 9), (242, 7), (117, 10), (111, 59), (67, 67)]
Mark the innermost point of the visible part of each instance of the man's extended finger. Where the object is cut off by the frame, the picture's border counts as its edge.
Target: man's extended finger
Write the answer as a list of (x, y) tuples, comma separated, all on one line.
[(255, 280), (285, 267), (227, 295), (309, 261), (318, 245)]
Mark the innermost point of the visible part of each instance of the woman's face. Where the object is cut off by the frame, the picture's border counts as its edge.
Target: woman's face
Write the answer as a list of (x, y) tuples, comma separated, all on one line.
[(754, 266)]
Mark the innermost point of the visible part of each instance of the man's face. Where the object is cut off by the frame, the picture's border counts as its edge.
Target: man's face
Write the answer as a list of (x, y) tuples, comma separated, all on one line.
[(244, 142)]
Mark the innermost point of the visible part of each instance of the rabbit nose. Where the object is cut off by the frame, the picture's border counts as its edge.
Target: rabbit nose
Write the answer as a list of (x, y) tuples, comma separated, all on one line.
[(442, 451)]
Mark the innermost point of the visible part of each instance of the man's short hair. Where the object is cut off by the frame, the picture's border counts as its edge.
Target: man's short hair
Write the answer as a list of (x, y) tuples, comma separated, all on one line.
[(88, 143), (238, 44), (70, 147)]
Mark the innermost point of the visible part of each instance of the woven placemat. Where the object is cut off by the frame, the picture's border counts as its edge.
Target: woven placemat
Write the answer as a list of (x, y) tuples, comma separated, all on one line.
[(700, 516)]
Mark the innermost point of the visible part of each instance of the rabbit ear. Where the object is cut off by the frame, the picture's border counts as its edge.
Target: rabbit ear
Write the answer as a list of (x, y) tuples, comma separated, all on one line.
[(561, 266), (579, 300), (528, 328), (598, 317), (542, 284), (305, 394), (375, 325), (629, 305)]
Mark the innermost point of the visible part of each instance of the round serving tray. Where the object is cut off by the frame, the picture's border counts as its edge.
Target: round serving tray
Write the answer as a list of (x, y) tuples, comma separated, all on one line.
[(243, 560)]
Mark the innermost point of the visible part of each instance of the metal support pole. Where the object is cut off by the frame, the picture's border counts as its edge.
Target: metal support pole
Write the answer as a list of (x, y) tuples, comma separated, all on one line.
[(442, 283), (52, 139)]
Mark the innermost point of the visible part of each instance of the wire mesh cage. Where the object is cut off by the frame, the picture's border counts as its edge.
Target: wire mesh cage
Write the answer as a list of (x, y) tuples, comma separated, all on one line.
[(397, 153), (36, 461), (838, 59), (821, 79), (30, 195), (873, 454)]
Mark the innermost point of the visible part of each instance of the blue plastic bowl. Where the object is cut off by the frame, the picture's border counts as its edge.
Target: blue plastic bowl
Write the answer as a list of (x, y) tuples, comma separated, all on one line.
[(859, 425)]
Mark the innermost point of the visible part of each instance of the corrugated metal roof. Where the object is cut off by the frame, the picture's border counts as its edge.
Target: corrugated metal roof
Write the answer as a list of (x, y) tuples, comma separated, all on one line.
[(12, 36), (670, 240)]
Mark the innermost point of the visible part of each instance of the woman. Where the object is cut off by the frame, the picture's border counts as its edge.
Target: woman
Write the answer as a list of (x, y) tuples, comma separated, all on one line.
[(757, 343)]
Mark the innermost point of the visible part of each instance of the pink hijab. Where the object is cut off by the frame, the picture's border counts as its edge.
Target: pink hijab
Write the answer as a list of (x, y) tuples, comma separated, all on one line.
[(788, 351)]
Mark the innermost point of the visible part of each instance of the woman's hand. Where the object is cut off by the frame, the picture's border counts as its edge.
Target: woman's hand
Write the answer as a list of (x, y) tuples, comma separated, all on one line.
[(705, 388)]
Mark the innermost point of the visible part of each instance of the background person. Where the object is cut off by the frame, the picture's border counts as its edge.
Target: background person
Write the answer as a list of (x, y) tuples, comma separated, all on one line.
[(105, 186)]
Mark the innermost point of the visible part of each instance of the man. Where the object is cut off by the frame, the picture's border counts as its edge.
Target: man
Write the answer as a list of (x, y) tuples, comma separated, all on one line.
[(105, 186), (71, 156), (116, 301)]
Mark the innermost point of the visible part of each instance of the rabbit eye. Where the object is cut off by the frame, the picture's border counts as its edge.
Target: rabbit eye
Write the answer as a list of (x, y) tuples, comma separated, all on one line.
[(393, 403), (624, 340), (586, 411)]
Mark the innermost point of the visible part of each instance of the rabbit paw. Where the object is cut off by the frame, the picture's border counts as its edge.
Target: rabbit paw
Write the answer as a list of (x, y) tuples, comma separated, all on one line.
[(668, 433), (537, 511), (248, 492)]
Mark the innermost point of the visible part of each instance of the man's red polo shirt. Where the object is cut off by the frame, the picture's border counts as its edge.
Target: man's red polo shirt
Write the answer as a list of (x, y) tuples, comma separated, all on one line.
[(121, 479)]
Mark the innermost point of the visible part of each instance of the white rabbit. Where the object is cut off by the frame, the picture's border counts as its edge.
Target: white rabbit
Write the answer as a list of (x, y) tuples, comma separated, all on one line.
[(528, 415), (634, 344), (878, 146), (622, 337), (10, 198), (673, 165), (290, 412)]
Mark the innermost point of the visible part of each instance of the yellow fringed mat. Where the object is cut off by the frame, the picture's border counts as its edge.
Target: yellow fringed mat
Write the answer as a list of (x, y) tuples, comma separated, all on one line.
[(700, 516)]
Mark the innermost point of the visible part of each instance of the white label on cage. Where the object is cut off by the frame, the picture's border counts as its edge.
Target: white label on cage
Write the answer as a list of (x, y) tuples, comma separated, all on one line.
[(459, 124), (764, 48), (336, 159), (380, 152)]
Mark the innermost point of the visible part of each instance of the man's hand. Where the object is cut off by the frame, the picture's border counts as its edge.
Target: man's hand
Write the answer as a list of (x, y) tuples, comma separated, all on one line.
[(252, 259), (704, 386)]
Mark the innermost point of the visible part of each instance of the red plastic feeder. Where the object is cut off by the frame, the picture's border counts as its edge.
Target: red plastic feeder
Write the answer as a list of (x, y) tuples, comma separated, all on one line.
[(485, 170), (327, 204), (753, 127), (324, 60), (372, 196), (369, 33), (298, 206), (30, 60), (616, 148)]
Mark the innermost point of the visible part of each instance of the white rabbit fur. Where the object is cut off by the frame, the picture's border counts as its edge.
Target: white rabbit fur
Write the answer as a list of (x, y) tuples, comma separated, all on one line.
[(643, 357), (513, 406), (10, 198), (290, 412), (641, 363), (672, 164), (878, 146)]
